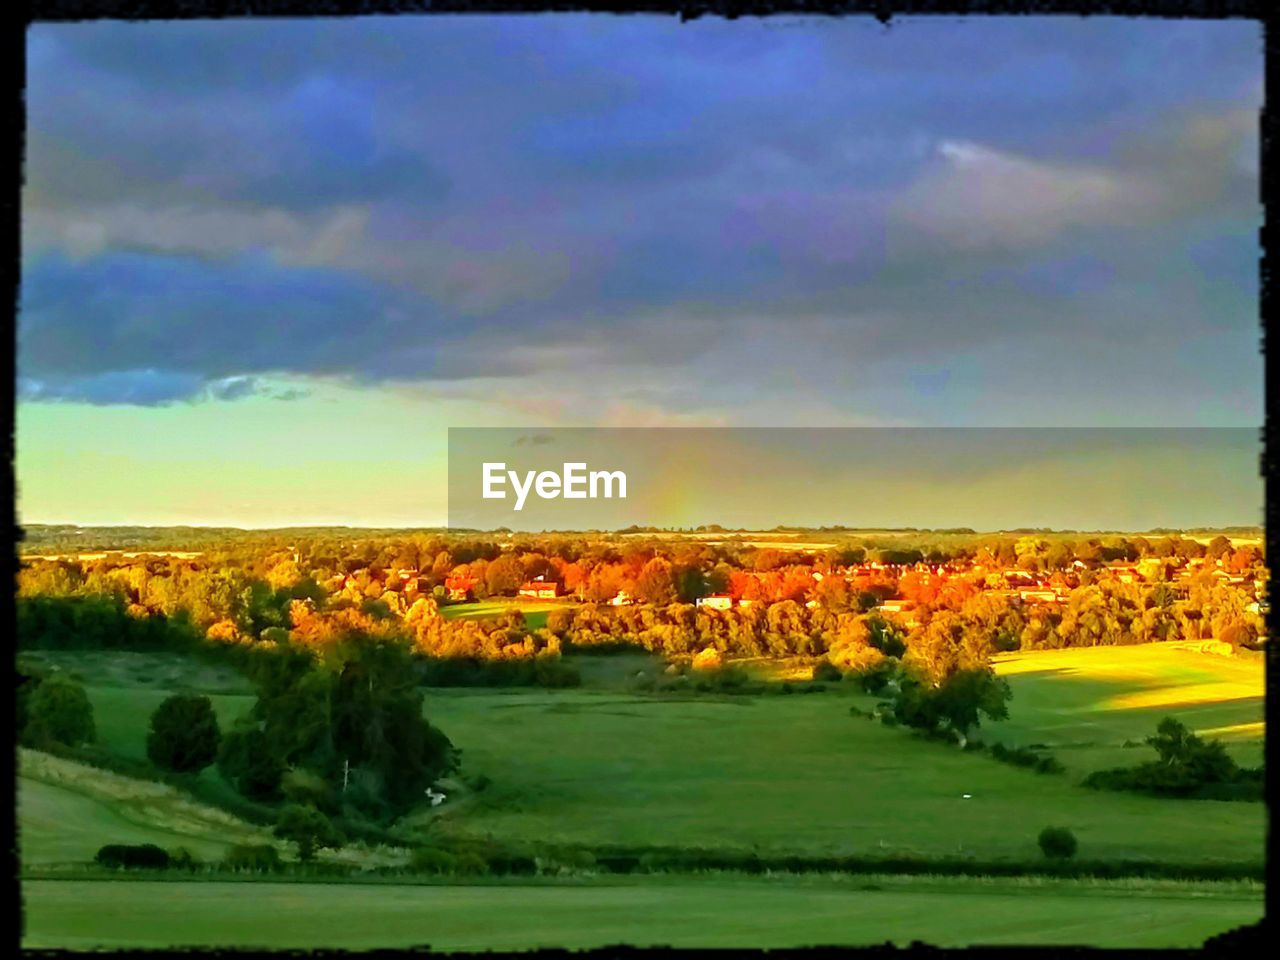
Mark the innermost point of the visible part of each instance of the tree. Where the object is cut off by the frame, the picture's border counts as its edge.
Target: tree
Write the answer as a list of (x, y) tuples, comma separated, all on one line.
[(1189, 758), (310, 829), (656, 584), (248, 763), (59, 712), (184, 734), (967, 693)]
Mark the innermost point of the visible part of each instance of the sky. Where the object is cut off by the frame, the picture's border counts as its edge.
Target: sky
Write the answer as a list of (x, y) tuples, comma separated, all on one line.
[(266, 265)]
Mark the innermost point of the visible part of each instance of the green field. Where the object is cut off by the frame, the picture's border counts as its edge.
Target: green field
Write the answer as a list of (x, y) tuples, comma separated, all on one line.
[(788, 773), (535, 611), (66, 811), (1084, 704), (778, 773), (688, 913), (599, 765)]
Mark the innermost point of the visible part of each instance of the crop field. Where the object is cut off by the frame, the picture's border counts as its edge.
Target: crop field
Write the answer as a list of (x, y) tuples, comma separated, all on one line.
[(689, 913)]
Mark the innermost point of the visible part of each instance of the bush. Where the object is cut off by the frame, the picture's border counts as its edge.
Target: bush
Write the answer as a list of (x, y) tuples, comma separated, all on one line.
[(825, 670), (141, 856), (434, 861), (1057, 843), (247, 762), (1188, 767), (470, 865), (310, 829), (1026, 757), (184, 734), (875, 678), (253, 857), (184, 859)]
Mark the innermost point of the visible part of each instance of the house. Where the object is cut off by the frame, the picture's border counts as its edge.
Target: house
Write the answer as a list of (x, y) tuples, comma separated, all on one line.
[(623, 599), (459, 587), (539, 588), (895, 606), (716, 601), (1038, 596)]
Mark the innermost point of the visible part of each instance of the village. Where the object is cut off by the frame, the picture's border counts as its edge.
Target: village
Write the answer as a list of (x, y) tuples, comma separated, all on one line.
[(896, 589)]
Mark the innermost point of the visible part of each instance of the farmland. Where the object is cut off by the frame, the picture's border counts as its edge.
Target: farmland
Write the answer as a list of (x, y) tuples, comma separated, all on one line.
[(535, 611), (603, 765), (709, 912)]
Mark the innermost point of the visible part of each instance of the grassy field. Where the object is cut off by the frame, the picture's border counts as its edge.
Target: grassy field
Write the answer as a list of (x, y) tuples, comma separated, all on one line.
[(535, 611), (709, 912), (1084, 704), (788, 772), (66, 811), (602, 765)]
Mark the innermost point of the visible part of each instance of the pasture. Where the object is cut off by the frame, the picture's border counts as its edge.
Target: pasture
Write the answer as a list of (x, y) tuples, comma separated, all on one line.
[(67, 810), (602, 765), (787, 773), (689, 913), (1084, 704), (535, 611)]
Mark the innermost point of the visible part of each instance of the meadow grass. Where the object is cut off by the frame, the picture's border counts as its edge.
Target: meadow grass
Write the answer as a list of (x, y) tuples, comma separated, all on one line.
[(67, 810), (1084, 704), (535, 611), (710, 912), (787, 773), (603, 766)]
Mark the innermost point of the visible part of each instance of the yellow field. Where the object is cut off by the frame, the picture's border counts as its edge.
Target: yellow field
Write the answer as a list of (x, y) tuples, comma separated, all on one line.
[(1091, 702)]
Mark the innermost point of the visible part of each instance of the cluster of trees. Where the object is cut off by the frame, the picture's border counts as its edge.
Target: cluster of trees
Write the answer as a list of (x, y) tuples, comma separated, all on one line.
[(340, 731), (1186, 766), (315, 592)]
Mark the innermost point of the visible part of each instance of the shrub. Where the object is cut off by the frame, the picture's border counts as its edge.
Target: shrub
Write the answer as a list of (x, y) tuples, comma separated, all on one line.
[(708, 659), (1057, 843), (247, 762), (253, 857), (305, 787), (308, 828), (184, 734), (470, 865), (434, 861), (141, 856), (184, 859), (825, 670), (874, 678)]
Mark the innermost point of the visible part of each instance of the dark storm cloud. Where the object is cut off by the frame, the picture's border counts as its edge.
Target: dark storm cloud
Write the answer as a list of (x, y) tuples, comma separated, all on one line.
[(432, 199)]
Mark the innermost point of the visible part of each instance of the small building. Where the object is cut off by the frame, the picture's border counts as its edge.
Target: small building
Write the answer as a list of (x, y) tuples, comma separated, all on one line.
[(715, 601), (539, 588), (623, 599), (459, 587)]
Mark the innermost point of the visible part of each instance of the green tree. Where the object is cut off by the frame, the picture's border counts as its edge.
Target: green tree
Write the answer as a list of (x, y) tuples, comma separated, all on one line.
[(1057, 843), (59, 712), (307, 827), (184, 735), (248, 763), (966, 694)]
